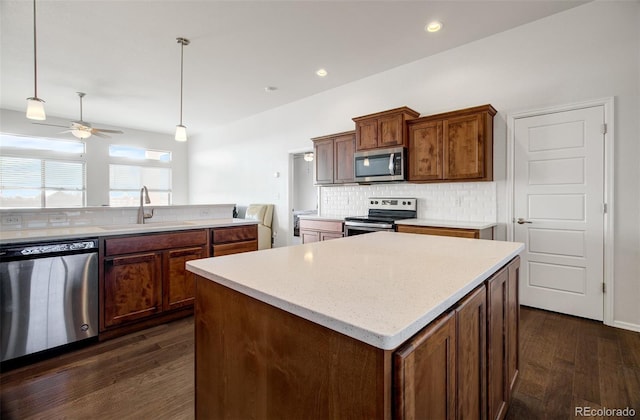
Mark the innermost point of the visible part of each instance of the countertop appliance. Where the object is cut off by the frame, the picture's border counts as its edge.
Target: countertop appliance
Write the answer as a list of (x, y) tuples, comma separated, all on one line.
[(48, 295), (380, 165), (382, 214)]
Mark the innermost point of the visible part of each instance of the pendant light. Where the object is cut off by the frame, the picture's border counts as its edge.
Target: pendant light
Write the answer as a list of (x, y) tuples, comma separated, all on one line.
[(181, 130), (35, 105)]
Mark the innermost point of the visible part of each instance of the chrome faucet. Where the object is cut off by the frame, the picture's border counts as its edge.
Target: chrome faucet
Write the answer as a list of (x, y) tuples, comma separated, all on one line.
[(144, 198)]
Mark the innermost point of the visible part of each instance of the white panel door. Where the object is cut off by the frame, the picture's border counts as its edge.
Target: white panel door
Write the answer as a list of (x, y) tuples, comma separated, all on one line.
[(558, 209)]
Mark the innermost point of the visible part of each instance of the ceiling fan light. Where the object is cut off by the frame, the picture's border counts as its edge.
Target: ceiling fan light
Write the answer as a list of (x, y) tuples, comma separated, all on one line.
[(81, 134), (181, 133), (35, 109)]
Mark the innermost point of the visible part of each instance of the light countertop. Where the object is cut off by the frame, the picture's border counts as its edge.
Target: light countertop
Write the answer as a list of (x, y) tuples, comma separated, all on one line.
[(446, 223), (73, 232), (379, 288)]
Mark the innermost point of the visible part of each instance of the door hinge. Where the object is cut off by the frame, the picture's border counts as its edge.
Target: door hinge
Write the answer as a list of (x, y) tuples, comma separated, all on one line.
[(603, 128), (604, 288), (604, 208)]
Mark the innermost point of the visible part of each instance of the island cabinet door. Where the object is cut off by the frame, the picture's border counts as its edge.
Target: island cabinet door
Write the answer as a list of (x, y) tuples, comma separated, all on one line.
[(132, 287), (425, 373), (497, 345), (513, 324), (471, 355)]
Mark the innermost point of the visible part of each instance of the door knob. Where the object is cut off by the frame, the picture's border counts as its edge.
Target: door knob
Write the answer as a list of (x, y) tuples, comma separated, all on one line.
[(522, 221)]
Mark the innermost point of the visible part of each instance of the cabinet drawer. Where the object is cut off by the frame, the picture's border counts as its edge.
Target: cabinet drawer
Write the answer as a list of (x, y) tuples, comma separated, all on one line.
[(440, 231), (144, 243), (235, 248), (234, 234), (321, 225)]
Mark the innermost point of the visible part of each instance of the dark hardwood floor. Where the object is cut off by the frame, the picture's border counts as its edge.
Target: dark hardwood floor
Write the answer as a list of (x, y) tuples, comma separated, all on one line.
[(565, 362)]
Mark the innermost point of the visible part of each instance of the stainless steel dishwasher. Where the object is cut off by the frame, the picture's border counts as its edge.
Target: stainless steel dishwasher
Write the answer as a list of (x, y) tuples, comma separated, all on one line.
[(48, 295)]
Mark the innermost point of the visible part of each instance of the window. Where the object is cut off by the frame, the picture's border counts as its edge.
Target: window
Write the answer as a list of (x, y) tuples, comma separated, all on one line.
[(41, 172), (126, 180)]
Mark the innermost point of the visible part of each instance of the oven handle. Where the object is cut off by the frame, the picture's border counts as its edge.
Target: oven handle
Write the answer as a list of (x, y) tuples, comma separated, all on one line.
[(369, 225)]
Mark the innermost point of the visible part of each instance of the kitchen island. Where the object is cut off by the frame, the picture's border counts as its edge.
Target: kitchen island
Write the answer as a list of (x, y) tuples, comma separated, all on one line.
[(385, 325)]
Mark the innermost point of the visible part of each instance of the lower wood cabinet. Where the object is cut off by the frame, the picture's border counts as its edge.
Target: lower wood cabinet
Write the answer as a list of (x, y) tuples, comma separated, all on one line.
[(315, 230), (234, 239), (425, 373), (465, 364), (144, 277), (446, 231), (503, 357)]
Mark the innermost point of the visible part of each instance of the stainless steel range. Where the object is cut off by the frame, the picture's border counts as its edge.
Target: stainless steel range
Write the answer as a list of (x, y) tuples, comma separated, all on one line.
[(382, 214)]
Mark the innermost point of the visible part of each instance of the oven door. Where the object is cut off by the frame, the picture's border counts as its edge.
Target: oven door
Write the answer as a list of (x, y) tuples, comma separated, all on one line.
[(359, 228)]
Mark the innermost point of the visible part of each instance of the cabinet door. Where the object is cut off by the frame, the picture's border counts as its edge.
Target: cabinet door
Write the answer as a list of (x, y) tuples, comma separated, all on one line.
[(325, 236), (324, 161), (471, 357), (425, 151), (367, 134), (344, 147), (132, 287), (309, 236), (179, 284), (391, 131), (424, 373), (464, 147), (513, 322), (497, 342)]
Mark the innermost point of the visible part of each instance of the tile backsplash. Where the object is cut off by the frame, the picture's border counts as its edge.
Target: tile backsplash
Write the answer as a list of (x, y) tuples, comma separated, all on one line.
[(463, 201), (16, 219)]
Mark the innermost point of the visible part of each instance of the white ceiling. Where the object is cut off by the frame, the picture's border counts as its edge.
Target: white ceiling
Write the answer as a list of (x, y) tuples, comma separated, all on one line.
[(124, 54)]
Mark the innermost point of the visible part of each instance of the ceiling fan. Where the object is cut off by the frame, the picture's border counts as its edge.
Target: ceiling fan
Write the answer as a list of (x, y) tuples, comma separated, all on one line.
[(82, 129)]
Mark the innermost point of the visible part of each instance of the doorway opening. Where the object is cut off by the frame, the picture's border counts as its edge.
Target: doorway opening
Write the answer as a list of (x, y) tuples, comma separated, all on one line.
[(304, 195)]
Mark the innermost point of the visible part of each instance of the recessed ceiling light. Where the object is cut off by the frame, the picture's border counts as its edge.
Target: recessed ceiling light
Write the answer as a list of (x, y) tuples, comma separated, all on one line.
[(270, 88), (434, 26), (321, 72)]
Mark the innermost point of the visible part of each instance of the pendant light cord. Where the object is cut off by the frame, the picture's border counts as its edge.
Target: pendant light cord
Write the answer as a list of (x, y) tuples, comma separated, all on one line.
[(35, 54), (181, 74)]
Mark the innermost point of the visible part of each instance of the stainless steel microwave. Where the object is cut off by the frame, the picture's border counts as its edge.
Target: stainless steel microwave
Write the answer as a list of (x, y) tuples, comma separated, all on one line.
[(380, 165)]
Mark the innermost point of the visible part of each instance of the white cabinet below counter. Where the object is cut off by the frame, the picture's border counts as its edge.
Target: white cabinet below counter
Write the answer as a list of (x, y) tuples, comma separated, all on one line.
[(474, 230), (318, 228)]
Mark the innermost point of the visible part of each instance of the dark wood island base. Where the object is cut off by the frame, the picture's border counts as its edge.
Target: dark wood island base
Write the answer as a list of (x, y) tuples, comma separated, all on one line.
[(253, 360)]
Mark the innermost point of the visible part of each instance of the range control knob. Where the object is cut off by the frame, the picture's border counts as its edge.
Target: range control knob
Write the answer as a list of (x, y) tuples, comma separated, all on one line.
[(371, 201)]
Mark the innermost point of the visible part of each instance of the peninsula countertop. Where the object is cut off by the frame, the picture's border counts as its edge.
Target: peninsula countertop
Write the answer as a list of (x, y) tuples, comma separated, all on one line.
[(75, 232), (380, 288)]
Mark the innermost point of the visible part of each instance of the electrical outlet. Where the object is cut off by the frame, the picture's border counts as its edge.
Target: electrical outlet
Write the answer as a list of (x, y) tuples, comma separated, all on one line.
[(205, 213), (11, 220), (459, 201)]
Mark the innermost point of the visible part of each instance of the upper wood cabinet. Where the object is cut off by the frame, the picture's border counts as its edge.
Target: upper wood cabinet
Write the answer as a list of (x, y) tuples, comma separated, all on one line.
[(334, 158), (383, 129), (454, 146)]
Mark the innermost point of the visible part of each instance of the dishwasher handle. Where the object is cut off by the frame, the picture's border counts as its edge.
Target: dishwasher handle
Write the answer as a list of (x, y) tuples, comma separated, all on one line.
[(51, 248)]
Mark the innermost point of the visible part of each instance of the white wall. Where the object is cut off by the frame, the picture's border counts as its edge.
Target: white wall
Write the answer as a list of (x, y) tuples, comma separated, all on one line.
[(588, 52), (97, 152)]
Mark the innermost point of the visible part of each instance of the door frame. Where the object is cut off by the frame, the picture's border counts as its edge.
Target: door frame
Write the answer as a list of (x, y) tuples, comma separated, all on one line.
[(608, 104)]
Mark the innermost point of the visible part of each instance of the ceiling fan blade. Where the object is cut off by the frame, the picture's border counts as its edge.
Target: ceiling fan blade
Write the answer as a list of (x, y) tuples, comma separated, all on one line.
[(99, 134), (52, 125), (94, 130), (65, 131)]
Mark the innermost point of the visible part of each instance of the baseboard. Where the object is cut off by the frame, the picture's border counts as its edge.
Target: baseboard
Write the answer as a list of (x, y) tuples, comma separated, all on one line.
[(626, 326)]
